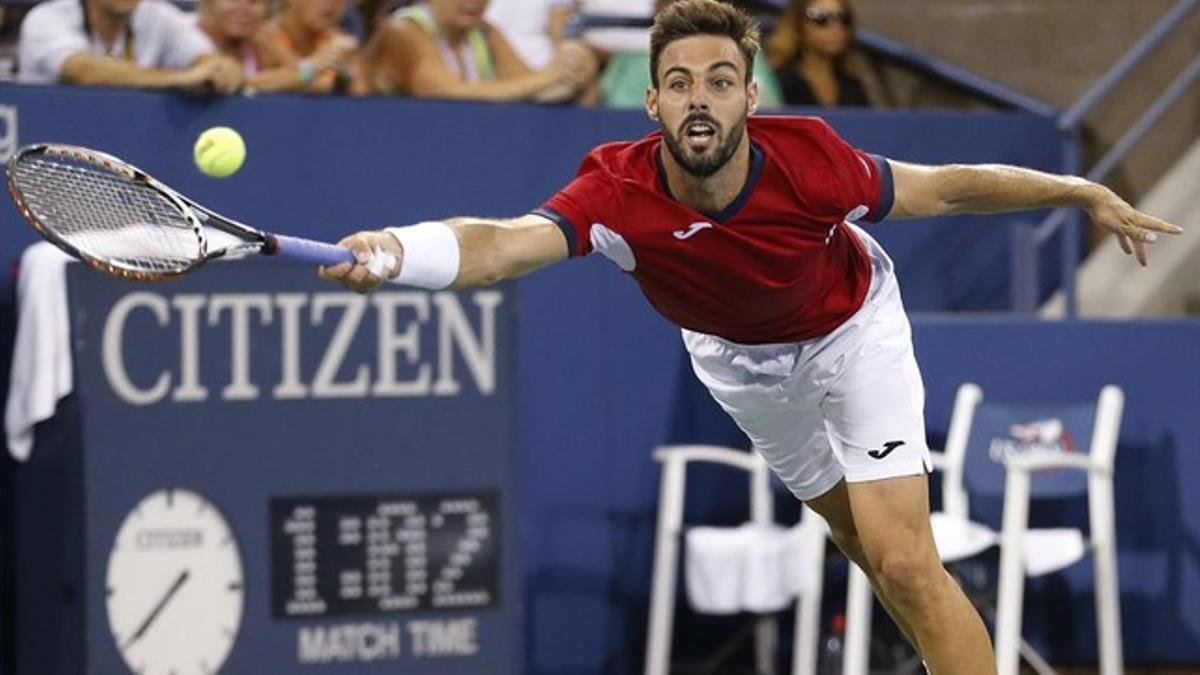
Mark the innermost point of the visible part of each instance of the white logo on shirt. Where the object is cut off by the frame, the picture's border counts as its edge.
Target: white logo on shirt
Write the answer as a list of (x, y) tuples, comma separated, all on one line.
[(612, 246), (691, 230)]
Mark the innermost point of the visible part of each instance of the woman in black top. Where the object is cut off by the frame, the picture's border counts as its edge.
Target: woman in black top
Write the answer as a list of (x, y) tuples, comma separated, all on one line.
[(809, 51)]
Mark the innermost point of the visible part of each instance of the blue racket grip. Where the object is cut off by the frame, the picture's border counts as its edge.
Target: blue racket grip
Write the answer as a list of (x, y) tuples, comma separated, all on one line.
[(307, 250)]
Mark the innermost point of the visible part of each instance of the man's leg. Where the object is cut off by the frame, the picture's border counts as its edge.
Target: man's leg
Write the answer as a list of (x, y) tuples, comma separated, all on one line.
[(891, 518), (834, 507)]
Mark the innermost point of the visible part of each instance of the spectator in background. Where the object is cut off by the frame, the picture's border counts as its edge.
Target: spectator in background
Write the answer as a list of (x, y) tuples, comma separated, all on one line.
[(125, 43), (626, 75), (236, 30), (317, 56), (11, 17), (534, 28), (239, 29), (811, 51), (445, 49), (369, 16)]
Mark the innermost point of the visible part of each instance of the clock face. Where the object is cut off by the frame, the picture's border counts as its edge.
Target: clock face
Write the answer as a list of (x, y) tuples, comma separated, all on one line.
[(174, 586)]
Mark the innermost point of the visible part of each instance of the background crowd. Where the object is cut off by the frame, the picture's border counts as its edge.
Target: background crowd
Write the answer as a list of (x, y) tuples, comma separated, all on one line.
[(495, 50)]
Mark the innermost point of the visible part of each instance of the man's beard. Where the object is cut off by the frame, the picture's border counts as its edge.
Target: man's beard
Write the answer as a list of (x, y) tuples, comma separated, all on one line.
[(703, 166)]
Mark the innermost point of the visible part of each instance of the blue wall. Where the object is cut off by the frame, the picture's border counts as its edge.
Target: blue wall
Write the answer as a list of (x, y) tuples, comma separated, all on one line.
[(1157, 363)]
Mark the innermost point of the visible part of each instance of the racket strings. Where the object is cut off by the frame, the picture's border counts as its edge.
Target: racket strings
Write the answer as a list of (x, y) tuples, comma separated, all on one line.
[(108, 217)]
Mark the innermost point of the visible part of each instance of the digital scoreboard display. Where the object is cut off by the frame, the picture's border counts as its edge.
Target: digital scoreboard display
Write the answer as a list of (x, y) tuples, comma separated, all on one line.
[(369, 554)]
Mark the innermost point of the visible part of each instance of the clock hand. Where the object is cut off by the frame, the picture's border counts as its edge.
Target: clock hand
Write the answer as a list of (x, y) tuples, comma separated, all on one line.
[(183, 576)]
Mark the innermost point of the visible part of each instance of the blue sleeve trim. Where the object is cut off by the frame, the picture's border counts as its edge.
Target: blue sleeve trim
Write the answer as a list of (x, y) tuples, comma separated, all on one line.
[(568, 230), (887, 189)]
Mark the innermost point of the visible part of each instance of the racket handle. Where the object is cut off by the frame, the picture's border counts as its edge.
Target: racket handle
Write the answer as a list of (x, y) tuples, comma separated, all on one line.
[(307, 250)]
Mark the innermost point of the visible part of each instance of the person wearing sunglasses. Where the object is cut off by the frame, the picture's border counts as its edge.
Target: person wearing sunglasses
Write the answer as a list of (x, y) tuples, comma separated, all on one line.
[(811, 51)]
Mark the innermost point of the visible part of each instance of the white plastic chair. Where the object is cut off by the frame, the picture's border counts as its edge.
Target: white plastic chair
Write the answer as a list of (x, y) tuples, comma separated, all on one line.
[(1029, 552), (808, 540), (1001, 463)]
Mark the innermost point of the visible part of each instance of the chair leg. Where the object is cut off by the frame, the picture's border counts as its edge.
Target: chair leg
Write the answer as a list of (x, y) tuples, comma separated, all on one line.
[(981, 601), (1035, 660), (1108, 609), (1012, 573), (1104, 560), (859, 603), (666, 566), (808, 606), (766, 640)]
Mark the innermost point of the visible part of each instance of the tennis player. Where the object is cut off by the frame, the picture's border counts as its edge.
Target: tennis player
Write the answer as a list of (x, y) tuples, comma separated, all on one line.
[(741, 231)]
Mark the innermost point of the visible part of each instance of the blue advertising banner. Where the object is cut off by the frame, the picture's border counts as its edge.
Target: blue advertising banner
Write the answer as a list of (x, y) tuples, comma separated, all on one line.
[(278, 476)]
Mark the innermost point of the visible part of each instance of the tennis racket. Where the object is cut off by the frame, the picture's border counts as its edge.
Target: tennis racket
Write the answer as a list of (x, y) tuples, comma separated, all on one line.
[(116, 218)]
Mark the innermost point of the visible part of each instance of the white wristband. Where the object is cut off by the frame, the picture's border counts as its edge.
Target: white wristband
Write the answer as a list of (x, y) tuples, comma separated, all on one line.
[(430, 255)]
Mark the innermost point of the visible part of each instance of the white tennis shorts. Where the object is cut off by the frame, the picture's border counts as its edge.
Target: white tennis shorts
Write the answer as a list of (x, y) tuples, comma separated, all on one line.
[(850, 404)]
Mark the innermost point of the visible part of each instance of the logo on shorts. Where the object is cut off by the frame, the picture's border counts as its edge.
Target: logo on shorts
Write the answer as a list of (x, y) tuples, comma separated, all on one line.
[(887, 449)]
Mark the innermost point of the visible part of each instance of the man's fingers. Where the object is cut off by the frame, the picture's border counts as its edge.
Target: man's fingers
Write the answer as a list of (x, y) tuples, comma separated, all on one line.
[(1133, 225), (357, 275), (1141, 235), (374, 262), (334, 272), (361, 250), (1139, 252), (1124, 242), (360, 280), (1147, 222)]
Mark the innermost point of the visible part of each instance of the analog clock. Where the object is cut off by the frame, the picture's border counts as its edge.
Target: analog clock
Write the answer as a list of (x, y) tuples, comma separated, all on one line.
[(174, 586)]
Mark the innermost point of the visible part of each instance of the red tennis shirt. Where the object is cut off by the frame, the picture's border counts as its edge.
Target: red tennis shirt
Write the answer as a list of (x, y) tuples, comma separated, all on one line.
[(779, 264)]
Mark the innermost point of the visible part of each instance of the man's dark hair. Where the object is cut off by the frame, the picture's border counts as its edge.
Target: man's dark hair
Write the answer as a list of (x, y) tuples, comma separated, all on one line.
[(686, 18)]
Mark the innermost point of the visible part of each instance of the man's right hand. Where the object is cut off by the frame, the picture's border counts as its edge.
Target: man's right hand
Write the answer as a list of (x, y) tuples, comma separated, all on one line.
[(359, 277)]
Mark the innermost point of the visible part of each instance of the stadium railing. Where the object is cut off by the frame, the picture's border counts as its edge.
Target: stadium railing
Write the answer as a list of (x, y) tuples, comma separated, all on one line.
[(1028, 238)]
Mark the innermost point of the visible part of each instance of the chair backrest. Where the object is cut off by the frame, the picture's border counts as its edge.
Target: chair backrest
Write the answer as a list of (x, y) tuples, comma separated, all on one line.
[(999, 431), (950, 461)]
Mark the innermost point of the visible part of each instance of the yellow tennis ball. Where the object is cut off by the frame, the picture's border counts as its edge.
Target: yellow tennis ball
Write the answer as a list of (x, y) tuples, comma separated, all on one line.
[(219, 152)]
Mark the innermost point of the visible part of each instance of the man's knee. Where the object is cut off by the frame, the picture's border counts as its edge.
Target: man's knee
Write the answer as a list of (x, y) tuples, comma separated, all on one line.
[(909, 574)]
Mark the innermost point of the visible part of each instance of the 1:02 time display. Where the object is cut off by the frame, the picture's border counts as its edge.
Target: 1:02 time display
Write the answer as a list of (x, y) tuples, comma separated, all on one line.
[(371, 554)]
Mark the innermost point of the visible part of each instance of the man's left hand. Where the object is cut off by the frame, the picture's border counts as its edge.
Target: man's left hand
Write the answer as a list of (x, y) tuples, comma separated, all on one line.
[(1132, 228)]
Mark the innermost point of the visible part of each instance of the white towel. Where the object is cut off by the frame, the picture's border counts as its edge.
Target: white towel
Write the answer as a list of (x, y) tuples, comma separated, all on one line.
[(751, 568), (1050, 550), (714, 566), (799, 555), (957, 538), (771, 571), (41, 366)]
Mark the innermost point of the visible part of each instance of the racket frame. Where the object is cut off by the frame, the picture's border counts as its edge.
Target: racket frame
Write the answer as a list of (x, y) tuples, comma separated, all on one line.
[(253, 241)]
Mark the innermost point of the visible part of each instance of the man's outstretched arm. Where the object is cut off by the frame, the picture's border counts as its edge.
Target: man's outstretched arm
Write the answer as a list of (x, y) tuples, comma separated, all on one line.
[(923, 191), (457, 253)]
